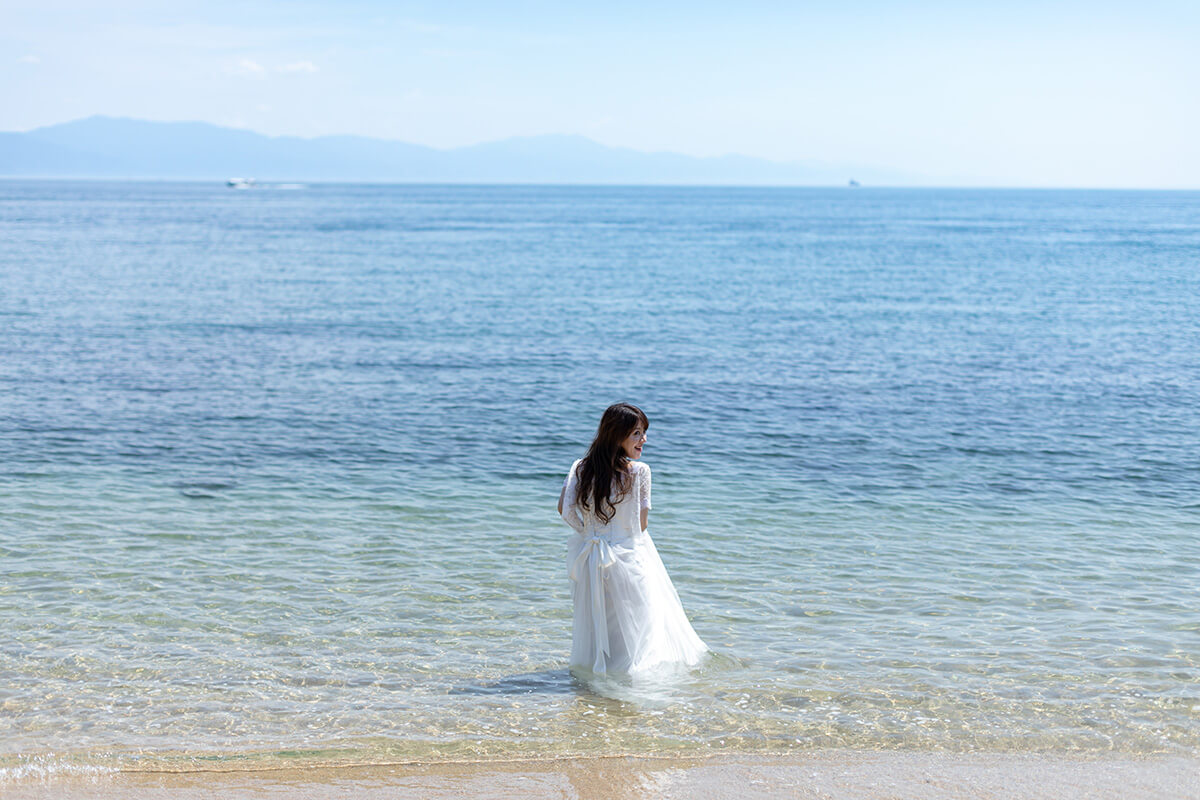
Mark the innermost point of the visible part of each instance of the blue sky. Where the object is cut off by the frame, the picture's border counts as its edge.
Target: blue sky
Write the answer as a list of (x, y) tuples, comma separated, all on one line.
[(1015, 93)]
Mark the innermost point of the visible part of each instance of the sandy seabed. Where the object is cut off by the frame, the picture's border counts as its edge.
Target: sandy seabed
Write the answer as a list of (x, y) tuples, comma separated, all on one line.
[(860, 775)]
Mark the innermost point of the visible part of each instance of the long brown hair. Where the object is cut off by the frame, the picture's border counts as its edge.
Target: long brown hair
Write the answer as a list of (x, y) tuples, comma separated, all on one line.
[(603, 470)]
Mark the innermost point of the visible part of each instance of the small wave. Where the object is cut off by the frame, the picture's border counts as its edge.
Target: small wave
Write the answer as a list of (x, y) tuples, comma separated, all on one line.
[(33, 768)]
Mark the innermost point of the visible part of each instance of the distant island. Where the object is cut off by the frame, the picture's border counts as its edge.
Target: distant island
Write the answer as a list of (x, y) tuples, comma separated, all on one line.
[(109, 147)]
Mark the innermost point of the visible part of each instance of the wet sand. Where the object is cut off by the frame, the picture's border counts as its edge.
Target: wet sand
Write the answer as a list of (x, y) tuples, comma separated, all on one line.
[(859, 775)]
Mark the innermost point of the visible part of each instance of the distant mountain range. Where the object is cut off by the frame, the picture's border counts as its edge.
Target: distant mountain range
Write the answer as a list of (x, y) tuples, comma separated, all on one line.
[(108, 147)]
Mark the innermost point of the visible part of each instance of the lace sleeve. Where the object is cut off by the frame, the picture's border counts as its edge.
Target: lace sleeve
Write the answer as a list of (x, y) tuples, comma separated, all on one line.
[(570, 504), (644, 487)]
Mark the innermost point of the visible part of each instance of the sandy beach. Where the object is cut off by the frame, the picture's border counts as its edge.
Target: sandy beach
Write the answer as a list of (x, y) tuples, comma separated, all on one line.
[(864, 775)]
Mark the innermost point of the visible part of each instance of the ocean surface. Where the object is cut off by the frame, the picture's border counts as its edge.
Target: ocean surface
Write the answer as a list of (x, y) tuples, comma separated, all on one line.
[(278, 469)]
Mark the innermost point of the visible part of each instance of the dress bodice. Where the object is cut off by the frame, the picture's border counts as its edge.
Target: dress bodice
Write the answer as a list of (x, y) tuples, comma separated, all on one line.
[(626, 521)]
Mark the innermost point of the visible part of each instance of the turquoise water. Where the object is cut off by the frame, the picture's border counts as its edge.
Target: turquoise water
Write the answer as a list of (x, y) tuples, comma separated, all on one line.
[(278, 468)]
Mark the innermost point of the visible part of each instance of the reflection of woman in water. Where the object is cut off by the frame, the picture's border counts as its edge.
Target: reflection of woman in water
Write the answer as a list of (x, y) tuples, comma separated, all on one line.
[(628, 617)]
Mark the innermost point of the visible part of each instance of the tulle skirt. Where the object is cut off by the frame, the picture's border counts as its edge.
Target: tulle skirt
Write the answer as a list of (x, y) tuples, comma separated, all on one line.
[(627, 614)]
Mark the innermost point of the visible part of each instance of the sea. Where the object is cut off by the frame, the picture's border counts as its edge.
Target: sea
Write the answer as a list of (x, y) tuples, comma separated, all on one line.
[(279, 466)]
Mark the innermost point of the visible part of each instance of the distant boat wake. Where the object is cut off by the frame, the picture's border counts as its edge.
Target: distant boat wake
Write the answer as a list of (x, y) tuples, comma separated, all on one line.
[(250, 183)]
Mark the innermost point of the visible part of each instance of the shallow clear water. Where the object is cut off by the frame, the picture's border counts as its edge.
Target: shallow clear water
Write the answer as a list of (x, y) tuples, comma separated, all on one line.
[(278, 468)]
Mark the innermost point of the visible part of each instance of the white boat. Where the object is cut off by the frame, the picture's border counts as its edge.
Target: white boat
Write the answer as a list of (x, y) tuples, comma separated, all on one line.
[(240, 183)]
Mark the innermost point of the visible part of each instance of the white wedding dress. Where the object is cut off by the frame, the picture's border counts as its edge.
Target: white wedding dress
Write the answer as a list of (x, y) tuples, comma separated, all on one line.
[(628, 618)]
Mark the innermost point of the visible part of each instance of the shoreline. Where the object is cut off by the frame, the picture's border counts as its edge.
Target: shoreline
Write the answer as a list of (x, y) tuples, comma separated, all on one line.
[(869, 775)]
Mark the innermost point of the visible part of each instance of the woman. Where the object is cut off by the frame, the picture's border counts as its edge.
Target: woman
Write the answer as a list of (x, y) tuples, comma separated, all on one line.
[(627, 613)]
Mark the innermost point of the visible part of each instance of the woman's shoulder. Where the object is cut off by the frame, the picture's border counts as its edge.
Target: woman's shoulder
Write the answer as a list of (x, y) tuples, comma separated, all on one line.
[(634, 467)]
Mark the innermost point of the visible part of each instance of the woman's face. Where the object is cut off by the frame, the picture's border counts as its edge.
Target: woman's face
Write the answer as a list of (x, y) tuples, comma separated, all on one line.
[(633, 443)]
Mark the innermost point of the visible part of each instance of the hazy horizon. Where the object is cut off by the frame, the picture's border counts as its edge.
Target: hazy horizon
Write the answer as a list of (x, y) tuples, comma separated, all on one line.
[(1060, 94)]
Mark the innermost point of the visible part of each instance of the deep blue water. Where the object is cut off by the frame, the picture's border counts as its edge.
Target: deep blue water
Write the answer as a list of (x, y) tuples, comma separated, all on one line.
[(278, 467)]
